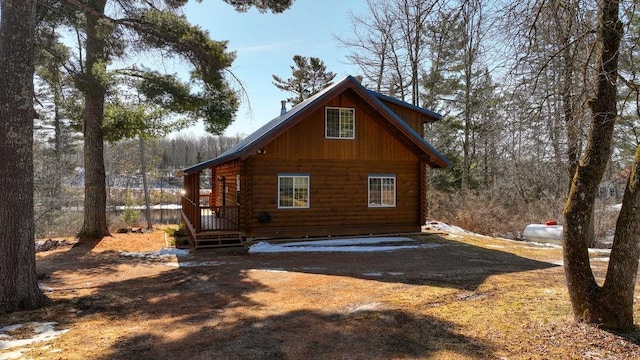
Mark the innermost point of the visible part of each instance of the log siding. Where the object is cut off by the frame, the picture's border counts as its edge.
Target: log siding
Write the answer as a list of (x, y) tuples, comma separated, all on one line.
[(385, 143)]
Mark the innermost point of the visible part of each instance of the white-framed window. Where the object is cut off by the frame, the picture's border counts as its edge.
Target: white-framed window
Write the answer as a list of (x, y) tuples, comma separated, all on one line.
[(293, 191), (382, 190), (340, 123)]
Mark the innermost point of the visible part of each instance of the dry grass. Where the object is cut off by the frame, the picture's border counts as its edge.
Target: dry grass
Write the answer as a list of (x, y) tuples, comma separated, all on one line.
[(470, 298), (498, 216)]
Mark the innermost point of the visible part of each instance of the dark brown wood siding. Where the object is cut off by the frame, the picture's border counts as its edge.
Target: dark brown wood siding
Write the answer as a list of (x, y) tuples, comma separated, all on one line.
[(226, 192), (338, 172), (224, 184), (414, 119), (338, 199), (306, 140)]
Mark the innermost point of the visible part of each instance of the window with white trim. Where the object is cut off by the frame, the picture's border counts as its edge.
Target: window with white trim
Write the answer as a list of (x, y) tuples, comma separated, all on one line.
[(340, 123), (382, 191), (293, 191)]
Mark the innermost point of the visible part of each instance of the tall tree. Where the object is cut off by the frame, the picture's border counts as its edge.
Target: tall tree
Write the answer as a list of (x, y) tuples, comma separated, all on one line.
[(609, 305), (370, 40), (471, 17), (389, 45), (57, 104), (18, 282), (552, 46), (142, 26), (308, 76)]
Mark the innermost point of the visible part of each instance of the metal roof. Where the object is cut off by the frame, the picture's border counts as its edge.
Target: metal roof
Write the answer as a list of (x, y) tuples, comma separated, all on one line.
[(390, 99), (272, 128)]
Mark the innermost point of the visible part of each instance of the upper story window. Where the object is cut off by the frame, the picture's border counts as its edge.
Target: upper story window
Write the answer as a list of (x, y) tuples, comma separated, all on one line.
[(340, 123)]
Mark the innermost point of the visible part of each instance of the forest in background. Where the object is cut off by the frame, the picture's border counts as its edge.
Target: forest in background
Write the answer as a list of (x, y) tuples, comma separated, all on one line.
[(59, 184), (512, 81)]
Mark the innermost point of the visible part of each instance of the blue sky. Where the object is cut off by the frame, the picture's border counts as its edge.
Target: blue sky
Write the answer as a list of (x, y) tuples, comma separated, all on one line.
[(266, 43)]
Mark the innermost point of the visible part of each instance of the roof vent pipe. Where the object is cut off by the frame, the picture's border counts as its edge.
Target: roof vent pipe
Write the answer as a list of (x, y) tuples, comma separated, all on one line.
[(283, 109)]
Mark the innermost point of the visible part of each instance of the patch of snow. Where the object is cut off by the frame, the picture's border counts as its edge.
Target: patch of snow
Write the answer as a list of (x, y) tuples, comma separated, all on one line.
[(44, 288), (440, 226), (154, 207), (596, 251), (547, 245), (41, 332), (372, 274), (600, 259), (172, 251), (194, 263), (356, 308), (349, 242), (392, 273), (431, 246), (338, 245), (12, 355), (273, 270), (164, 252), (615, 207), (50, 244)]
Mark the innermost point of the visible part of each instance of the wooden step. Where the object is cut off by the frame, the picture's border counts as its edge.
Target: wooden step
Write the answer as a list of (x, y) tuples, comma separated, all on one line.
[(213, 239)]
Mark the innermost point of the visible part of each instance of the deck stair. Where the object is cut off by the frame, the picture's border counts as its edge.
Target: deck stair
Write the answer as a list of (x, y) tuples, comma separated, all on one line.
[(216, 239)]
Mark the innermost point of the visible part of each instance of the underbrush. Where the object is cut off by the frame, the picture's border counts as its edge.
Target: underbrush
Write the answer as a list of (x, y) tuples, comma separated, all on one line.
[(507, 217), (491, 215)]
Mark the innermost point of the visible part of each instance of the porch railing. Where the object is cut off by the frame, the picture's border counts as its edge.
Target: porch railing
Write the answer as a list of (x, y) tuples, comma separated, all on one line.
[(219, 217), (206, 218)]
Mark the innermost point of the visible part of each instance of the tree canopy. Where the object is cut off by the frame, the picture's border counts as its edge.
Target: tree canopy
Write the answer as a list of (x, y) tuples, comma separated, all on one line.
[(113, 37), (309, 75)]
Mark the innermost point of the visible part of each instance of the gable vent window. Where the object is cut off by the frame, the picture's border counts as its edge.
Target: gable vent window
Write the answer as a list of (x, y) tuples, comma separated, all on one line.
[(340, 123)]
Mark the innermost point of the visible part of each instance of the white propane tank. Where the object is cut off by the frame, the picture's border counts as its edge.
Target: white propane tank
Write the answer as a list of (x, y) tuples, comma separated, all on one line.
[(544, 233)]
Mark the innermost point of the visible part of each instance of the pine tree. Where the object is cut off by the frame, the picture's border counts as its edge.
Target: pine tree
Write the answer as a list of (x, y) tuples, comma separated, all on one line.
[(142, 26), (309, 76), (18, 282)]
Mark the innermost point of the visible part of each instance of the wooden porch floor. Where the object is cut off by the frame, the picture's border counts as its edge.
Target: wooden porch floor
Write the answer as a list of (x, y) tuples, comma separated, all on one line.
[(212, 238)]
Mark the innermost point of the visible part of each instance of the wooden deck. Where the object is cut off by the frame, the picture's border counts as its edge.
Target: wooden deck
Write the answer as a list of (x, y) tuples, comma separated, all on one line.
[(214, 227)]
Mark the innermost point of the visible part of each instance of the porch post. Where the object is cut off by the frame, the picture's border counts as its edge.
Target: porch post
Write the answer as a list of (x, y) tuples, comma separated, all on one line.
[(212, 195), (195, 191)]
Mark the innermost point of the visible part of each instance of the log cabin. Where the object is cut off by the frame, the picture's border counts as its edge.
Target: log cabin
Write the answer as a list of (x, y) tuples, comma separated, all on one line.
[(346, 161)]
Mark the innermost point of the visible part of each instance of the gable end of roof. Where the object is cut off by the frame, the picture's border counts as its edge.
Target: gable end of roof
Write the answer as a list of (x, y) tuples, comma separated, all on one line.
[(274, 127)]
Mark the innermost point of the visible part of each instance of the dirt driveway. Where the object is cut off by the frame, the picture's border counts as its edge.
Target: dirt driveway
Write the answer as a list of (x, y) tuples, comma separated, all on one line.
[(460, 297)]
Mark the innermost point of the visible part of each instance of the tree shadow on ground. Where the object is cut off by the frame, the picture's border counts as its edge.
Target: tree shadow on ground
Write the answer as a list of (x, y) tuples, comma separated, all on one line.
[(208, 312), (442, 263), (311, 335)]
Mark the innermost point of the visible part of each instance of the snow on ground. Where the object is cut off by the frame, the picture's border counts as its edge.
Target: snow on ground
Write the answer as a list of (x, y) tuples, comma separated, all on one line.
[(39, 332), (440, 226), (195, 263), (164, 252), (340, 245)]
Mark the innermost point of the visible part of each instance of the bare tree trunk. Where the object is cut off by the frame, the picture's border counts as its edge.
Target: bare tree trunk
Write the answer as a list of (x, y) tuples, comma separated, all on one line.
[(18, 281), (471, 15), (95, 193), (611, 305), (147, 202)]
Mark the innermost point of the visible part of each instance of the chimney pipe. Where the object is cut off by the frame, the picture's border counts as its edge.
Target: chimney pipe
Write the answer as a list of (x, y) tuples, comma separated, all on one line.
[(283, 109)]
